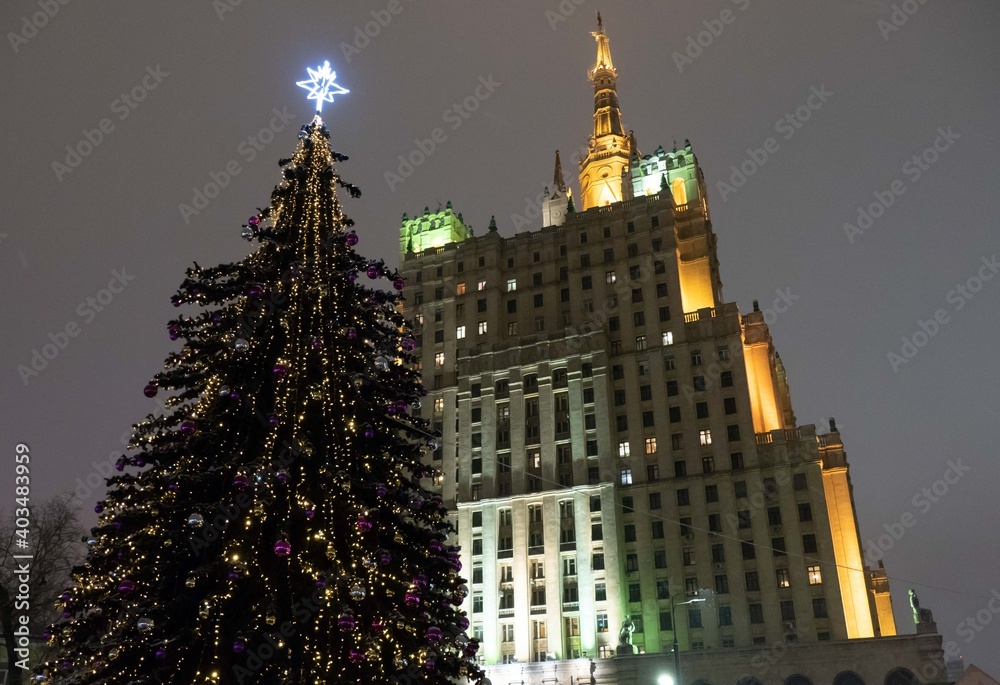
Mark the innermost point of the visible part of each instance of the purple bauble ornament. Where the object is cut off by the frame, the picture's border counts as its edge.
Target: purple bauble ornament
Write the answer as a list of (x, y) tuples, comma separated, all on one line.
[(352, 334), (346, 621), (352, 276), (272, 419), (411, 598), (174, 487), (430, 663), (408, 344), (150, 390), (317, 342), (377, 624), (161, 654), (234, 394), (280, 370), (139, 461), (283, 476), (399, 283), (356, 656), (239, 645), (364, 524), (254, 220), (282, 548), (187, 426), (434, 634), (310, 513), (240, 481), (120, 464), (175, 300), (369, 432), (233, 574), (435, 546), (380, 490), (351, 239), (420, 580), (174, 332), (384, 557), (126, 587), (321, 581), (374, 271), (255, 290), (463, 622), (116, 524)]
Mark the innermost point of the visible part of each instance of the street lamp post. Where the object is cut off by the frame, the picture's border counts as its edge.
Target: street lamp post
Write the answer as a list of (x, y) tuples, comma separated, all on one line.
[(695, 597)]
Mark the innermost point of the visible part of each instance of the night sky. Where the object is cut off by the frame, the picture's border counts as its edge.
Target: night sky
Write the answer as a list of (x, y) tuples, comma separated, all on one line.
[(182, 93)]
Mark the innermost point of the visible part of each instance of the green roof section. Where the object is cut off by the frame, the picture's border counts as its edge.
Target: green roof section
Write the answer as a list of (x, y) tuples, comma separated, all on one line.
[(432, 230)]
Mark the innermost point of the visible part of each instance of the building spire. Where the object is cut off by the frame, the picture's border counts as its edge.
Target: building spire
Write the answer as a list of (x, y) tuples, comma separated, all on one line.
[(610, 145), (557, 180), (603, 62)]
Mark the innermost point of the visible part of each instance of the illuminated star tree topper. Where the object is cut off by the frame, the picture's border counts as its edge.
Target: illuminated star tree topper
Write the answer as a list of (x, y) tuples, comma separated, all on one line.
[(321, 85)]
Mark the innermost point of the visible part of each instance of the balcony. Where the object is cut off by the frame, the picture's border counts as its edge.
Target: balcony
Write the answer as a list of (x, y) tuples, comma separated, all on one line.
[(505, 613), (537, 609)]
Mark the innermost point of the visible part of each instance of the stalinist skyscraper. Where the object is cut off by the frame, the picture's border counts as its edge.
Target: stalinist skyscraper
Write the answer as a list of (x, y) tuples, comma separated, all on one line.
[(619, 440)]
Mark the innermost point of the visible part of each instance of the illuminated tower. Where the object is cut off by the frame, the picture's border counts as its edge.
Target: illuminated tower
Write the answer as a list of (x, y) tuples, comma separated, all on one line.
[(556, 200), (609, 147)]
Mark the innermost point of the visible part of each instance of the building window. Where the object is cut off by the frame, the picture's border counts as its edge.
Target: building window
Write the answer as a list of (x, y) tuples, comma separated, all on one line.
[(629, 532), (657, 530), (740, 488), (652, 473), (587, 283), (774, 516), (799, 482), (438, 405), (778, 546), (477, 603), (736, 461), (783, 578), (708, 464), (602, 623), (460, 289), (729, 405), (694, 618), (680, 469), (482, 284), (805, 512), (460, 332), (787, 610), (722, 585), (609, 277), (725, 615), (683, 497), (748, 550), (650, 445), (733, 432), (623, 448), (640, 340), (743, 519), (512, 328), (696, 358), (511, 285), (667, 338), (537, 300), (627, 505), (753, 584), (705, 436), (626, 476), (439, 359), (815, 575), (809, 543), (756, 613), (672, 389), (819, 607), (596, 531), (711, 493)]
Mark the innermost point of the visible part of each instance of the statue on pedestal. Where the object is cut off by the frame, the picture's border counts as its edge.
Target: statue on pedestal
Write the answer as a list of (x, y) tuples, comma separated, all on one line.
[(625, 638)]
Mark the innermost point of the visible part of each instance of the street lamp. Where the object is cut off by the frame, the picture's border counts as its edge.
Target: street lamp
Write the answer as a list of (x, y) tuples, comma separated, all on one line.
[(699, 595)]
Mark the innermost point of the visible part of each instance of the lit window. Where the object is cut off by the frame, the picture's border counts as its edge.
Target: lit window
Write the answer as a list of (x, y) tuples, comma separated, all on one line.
[(482, 285), (783, 578), (482, 328), (640, 342), (650, 445), (705, 436), (438, 404), (623, 449), (602, 623), (610, 277), (512, 328), (460, 332), (511, 285), (815, 575), (419, 318), (460, 289), (439, 359), (626, 477), (668, 337)]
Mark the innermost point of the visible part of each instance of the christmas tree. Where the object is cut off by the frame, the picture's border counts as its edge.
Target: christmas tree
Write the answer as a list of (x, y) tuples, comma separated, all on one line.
[(273, 524)]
